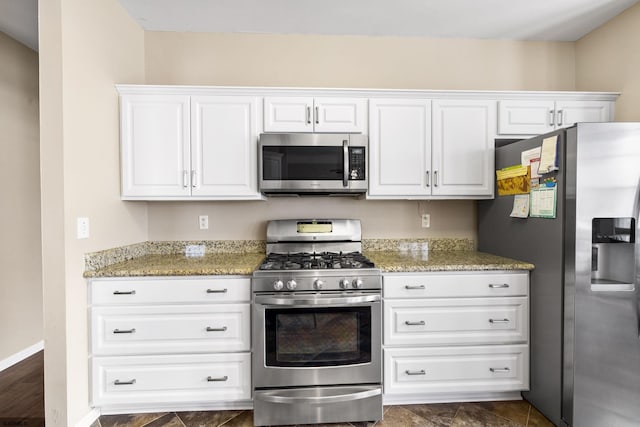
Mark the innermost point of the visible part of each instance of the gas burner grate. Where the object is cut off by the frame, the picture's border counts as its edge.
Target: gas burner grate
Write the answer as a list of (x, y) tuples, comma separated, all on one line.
[(316, 261)]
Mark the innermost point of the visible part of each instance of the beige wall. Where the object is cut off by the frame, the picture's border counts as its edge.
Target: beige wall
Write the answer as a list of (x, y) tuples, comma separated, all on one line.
[(329, 61), (608, 59), (20, 261), (85, 48)]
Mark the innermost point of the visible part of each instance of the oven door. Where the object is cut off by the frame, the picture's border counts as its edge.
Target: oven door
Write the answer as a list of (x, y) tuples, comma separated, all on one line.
[(316, 339), (311, 163)]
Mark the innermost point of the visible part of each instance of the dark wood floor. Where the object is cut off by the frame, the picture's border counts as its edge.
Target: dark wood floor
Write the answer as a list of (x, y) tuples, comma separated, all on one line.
[(22, 393), (22, 404)]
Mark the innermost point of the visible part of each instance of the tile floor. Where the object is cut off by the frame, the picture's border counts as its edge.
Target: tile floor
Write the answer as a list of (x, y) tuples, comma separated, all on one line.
[(490, 414)]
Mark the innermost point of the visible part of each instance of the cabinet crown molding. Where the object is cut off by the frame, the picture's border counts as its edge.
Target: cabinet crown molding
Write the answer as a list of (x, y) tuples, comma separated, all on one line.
[(364, 93)]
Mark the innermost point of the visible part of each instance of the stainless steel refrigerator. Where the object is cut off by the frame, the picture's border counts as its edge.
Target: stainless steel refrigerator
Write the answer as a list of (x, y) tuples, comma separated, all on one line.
[(584, 298)]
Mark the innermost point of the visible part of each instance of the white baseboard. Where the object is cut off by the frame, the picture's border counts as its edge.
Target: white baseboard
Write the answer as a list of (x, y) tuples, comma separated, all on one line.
[(412, 399), (21, 355), (89, 419)]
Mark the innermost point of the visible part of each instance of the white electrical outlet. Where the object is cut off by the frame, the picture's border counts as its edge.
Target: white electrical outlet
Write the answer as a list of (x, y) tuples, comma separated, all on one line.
[(204, 222), (82, 231), (426, 220)]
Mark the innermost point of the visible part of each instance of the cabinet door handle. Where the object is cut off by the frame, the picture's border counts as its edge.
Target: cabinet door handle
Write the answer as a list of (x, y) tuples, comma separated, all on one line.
[(552, 115), (418, 323), (560, 117), (308, 115), (210, 329), (217, 291), (500, 370), (420, 372), (211, 379), (428, 183), (435, 178), (124, 292), (498, 285), (194, 175), (124, 331), (130, 382), (498, 320), (317, 115), (410, 287), (185, 178)]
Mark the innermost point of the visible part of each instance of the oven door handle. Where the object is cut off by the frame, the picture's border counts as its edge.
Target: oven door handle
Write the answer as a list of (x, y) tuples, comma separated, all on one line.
[(317, 400), (302, 301)]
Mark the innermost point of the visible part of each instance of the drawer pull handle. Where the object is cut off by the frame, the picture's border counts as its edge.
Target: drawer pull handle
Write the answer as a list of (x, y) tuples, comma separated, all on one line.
[(124, 331), (410, 287), (500, 370), (124, 292), (118, 382), (217, 291), (419, 323), (420, 372), (498, 285), (498, 320), (211, 379), (210, 329)]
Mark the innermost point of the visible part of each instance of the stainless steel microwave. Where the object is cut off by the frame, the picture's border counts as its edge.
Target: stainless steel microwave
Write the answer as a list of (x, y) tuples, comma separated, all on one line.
[(313, 163)]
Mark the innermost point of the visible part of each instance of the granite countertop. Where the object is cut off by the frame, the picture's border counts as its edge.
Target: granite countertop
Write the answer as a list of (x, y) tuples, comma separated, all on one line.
[(396, 261), (181, 265), (246, 263)]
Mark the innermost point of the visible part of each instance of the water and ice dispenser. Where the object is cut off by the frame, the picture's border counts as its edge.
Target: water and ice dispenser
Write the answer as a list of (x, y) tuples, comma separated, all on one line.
[(612, 251)]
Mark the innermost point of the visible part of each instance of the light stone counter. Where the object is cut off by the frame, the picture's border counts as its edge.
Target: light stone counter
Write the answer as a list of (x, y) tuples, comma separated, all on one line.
[(404, 262)]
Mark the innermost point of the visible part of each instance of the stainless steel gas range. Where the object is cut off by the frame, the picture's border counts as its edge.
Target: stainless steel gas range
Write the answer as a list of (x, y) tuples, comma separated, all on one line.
[(317, 322)]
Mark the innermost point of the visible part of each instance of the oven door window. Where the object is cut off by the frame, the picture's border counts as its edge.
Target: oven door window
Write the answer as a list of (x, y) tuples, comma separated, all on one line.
[(300, 163), (308, 337)]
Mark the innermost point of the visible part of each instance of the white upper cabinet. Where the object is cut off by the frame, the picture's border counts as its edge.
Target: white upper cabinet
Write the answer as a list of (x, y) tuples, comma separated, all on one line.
[(178, 147), (399, 148), (321, 114), (424, 150), (534, 117), (155, 151), (463, 147), (224, 131)]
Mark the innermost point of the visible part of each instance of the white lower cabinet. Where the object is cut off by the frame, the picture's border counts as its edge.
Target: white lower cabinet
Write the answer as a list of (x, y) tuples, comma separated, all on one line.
[(170, 343), (455, 336)]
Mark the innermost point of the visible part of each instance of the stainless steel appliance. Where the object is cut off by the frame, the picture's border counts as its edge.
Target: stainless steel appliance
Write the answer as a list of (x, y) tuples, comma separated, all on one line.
[(308, 163), (316, 337), (585, 350)]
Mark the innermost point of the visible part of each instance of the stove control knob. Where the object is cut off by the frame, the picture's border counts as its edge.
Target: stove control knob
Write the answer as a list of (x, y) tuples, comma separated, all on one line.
[(277, 285), (291, 284), (344, 283), (357, 283), (318, 284)]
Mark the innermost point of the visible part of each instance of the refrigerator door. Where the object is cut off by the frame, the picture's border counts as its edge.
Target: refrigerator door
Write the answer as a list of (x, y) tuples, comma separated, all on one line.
[(540, 242), (601, 382)]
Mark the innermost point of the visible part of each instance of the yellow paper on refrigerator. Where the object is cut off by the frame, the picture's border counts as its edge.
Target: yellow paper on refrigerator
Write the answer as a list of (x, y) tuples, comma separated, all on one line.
[(513, 180)]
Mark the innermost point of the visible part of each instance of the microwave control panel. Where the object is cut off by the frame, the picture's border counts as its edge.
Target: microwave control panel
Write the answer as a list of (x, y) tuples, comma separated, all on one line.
[(357, 157)]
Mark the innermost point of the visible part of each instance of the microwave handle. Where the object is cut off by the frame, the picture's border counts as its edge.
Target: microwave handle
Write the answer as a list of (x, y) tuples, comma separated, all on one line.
[(345, 176)]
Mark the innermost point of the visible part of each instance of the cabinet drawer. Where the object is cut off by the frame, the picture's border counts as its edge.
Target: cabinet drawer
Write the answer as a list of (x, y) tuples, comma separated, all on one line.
[(169, 290), (456, 321), (456, 369), (161, 380), (170, 329), (455, 285)]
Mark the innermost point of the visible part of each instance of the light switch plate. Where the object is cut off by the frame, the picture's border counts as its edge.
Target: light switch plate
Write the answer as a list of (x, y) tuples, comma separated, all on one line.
[(426, 220), (82, 231)]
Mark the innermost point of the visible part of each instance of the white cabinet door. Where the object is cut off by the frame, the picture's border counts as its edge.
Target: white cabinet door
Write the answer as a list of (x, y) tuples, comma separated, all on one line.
[(155, 145), (288, 114), (570, 112), (307, 114), (463, 147), (400, 147), (340, 115), (518, 117), (224, 132)]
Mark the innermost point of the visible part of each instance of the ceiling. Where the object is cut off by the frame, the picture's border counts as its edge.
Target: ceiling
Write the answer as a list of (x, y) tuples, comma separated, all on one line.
[(559, 20)]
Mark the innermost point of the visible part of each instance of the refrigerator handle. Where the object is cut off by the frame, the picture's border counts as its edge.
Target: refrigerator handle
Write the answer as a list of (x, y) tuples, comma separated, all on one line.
[(636, 211)]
